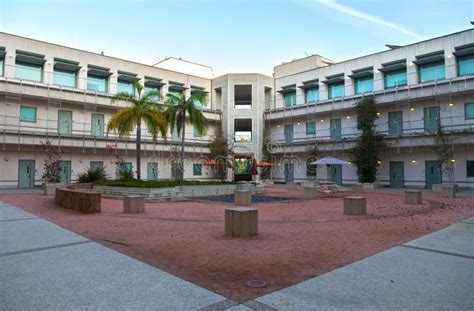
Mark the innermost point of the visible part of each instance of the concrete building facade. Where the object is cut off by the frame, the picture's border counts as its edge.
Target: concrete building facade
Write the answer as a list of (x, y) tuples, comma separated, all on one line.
[(64, 95)]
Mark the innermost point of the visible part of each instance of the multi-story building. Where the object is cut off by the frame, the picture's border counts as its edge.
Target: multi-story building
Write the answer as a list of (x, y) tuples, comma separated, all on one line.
[(64, 95)]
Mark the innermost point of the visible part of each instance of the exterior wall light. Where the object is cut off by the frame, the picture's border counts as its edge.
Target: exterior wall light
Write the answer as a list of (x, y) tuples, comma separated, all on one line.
[(412, 109), (379, 162), (322, 120), (378, 113), (450, 104), (413, 161), (453, 160)]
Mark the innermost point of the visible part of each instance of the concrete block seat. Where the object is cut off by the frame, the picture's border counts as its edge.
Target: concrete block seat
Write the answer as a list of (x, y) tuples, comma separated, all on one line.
[(243, 197), (133, 204), (355, 206), (413, 196), (241, 221)]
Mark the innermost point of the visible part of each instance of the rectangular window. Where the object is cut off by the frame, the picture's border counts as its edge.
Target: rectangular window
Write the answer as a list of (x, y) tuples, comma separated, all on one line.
[(395, 123), (431, 72), (2, 64), (64, 77), (196, 132), (243, 130), (288, 131), (243, 96), (431, 119), (466, 65), (364, 85), (97, 83), (395, 78), (336, 90), (125, 87), (64, 122), (126, 167), (469, 111), (335, 129), (310, 128), (97, 124), (470, 168), (197, 169), (94, 165), (311, 95), (29, 71), (290, 99), (27, 114)]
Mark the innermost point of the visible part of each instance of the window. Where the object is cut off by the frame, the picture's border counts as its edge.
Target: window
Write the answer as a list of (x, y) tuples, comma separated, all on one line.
[(431, 119), (147, 89), (2, 60), (243, 130), (97, 124), (153, 84), (395, 78), (124, 87), (288, 132), (395, 123), (242, 96), (94, 165), (64, 122), (29, 66), (364, 85), (466, 65), (470, 168), (176, 87), (469, 111), (196, 132), (311, 95), (197, 169), (431, 72), (96, 83), (27, 114), (336, 90), (64, 78), (335, 129), (310, 128), (126, 167), (290, 99)]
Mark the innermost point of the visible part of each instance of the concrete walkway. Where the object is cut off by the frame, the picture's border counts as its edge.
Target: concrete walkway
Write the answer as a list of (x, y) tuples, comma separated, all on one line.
[(45, 267)]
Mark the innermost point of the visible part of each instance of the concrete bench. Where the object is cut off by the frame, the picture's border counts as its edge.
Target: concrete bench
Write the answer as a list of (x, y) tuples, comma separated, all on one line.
[(133, 204), (355, 206), (78, 197), (243, 197), (310, 192), (448, 191), (241, 221), (413, 197)]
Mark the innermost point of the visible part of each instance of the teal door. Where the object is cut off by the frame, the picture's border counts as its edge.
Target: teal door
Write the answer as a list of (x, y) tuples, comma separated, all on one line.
[(431, 119), (175, 169), (64, 122), (152, 171), (97, 124), (95, 165), (395, 123), (397, 174), (335, 129), (289, 172), (65, 172), (432, 173), (336, 173), (26, 174), (288, 133)]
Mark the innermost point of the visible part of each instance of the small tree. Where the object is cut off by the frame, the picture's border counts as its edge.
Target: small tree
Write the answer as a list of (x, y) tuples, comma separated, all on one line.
[(266, 153), (365, 155), (220, 152), (51, 163), (445, 153)]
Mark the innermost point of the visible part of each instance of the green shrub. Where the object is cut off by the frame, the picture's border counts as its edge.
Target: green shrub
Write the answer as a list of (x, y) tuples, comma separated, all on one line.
[(126, 175), (92, 176), (158, 183)]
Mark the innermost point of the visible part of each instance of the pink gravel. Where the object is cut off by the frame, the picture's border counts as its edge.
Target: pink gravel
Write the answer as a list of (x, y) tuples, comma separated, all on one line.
[(297, 240)]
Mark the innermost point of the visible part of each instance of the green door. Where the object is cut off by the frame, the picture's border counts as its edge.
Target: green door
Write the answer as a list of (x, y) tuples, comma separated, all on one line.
[(152, 171), (395, 123), (335, 129), (432, 173), (175, 169), (64, 122), (397, 174), (96, 164), (97, 124), (431, 119), (288, 133), (336, 173), (289, 172), (26, 174), (65, 172)]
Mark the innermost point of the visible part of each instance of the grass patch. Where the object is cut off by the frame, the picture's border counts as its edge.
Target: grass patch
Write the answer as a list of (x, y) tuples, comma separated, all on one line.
[(159, 183)]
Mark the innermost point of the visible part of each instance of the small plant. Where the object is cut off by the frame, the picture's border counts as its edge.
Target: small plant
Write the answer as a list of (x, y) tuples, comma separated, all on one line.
[(51, 163), (126, 175), (96, 175), (445, 153)]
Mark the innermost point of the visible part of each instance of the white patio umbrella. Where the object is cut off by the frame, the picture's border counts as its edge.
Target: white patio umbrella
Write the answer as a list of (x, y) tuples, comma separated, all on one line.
[(328, 161)]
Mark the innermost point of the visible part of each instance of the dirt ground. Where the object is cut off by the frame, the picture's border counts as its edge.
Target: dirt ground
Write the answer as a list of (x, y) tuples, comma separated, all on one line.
[(297, 239)]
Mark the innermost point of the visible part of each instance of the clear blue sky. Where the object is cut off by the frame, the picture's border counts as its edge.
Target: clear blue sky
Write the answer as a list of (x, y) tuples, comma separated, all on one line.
[(234, 35)]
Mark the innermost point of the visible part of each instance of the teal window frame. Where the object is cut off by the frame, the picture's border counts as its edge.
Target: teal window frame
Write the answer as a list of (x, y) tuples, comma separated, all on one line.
[(95, 80), (290, 99), (469, 111), (431, 72), (126, 167), (125, 87), (364, 85), (336, 90), (2, 65), (65, 77), (465, 65), (395, 123), (27, 71), (28, 114), (310, 128), (196, 132), (147, 89), (470, 168), (311, 95), (197, 169), (396, 78)]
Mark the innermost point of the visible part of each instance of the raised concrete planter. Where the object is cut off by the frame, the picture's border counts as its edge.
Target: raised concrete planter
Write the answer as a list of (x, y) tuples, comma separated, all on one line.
[(243, 197), (50, 188), (448, 190), (241, 221), (310, 192), (355, 206), (133, 204), (412, 196), (243, 185), (370, 186), (78, 197), (358, 188), (436, 188)]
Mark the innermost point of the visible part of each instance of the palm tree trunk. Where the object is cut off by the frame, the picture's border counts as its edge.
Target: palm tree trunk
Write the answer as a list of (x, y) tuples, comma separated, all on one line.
[(138, 142), (181, 156)]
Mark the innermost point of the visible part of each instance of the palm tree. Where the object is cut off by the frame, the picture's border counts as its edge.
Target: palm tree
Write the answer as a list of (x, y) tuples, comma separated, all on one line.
[(142, 107), (178, 108)]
